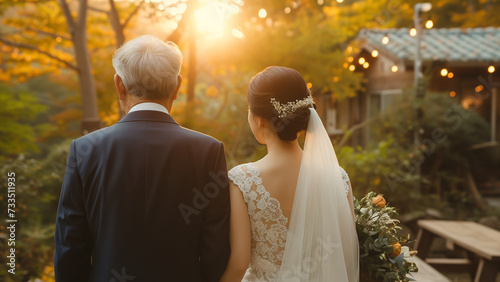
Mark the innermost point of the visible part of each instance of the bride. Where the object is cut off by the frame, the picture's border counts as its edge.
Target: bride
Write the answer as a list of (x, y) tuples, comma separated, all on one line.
[(292, 216)]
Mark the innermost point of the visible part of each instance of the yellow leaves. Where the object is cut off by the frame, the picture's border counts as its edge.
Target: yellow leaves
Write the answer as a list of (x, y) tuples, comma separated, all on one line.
[(66, 115), (330, 11), (212, 91), (48, 274), (5, 76)]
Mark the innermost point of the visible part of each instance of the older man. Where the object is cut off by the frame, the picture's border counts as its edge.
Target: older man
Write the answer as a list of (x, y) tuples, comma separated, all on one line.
[(144, 199)]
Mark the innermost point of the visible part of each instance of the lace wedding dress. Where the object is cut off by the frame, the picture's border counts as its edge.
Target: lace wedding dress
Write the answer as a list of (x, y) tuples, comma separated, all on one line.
[(268, 224)]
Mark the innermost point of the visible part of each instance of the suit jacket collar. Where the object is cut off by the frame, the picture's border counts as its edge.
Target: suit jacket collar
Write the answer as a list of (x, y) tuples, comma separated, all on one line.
[(148, 116)]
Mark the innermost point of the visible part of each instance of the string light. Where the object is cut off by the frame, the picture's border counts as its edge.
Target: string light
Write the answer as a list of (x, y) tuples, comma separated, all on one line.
[(352, 67), (450, 75), (340, 1), (444, 72), (453, 94), (361, 60), (413, 32), (374, 53), (429, 24), (394, 68), (491, 69), (366, 65), (479, 88), (262, 13), (350, 59), (385, 40)]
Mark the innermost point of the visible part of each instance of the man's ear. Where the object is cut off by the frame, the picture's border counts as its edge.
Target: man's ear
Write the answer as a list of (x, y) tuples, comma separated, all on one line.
[(120, 87), (179, 82)]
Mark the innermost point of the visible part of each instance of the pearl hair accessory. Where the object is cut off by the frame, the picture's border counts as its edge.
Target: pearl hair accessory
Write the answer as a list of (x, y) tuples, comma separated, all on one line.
[(290, 107)]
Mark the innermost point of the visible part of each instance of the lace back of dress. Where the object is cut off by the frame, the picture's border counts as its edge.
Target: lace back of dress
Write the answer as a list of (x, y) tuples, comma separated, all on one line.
[(268, 224)]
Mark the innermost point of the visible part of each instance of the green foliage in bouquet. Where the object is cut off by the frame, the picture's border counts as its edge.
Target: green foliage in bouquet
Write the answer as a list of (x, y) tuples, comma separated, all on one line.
[(382, 248)]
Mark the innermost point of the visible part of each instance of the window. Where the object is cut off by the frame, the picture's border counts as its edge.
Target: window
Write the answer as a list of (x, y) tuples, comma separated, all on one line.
[(380, 101)]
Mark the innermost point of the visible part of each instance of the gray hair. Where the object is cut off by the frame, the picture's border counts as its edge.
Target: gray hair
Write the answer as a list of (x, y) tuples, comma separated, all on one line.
[(148, 67)]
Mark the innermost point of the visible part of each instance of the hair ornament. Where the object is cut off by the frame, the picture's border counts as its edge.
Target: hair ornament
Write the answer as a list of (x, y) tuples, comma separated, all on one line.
[(290, 107)]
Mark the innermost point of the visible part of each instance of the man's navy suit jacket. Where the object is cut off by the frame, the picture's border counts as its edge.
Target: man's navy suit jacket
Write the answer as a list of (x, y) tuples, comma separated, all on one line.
[(143, 200)]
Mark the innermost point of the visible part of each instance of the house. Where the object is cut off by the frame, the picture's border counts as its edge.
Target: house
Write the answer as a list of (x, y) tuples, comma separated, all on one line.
[(461, 63)]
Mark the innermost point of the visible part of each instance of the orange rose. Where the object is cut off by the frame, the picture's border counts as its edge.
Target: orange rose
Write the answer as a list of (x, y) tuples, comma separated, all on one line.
[(397, 250), (379, 201)]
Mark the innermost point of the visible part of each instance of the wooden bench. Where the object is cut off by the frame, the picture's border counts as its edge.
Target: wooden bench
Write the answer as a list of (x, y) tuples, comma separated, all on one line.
[(426, 273), (481, 244)]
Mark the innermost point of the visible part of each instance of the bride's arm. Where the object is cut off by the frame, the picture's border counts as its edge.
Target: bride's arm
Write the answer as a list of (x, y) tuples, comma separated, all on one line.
[(350, 198), (239, 237)]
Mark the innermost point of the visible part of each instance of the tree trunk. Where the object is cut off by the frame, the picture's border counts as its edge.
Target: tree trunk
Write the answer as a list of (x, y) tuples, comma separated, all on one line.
[(90, 121), (114, 18), (78, 31), (192, 69), (192, 72)]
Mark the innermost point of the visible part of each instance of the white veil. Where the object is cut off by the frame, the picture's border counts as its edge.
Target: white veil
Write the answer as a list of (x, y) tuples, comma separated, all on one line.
[(322, 244)]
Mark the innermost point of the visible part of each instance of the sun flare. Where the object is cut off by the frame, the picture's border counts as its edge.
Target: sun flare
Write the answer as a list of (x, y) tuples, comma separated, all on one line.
[(211, 17)]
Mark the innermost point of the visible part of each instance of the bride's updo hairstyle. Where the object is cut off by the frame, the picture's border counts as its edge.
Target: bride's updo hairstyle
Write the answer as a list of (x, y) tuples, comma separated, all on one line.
[(284, 85)]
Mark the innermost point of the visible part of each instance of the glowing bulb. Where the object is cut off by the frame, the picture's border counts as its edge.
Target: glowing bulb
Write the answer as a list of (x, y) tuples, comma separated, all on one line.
[(374, 53), (340, 1), (361, 60), (350, 59), (288, 10), (491, 69), (366, 65), (453, 94), (59, 39), (429, 24), (385, 40), (450, 75), (352, 67), (479, 88), (349, 49), (262, 13), (413, 32), (394, 68), (444, 72), (309, 85)]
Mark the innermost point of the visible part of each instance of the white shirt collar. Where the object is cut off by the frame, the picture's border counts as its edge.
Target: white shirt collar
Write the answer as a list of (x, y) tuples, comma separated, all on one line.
[(149, 106)]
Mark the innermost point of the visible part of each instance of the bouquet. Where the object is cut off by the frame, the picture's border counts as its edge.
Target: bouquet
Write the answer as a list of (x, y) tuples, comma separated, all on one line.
[(383, 250)]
